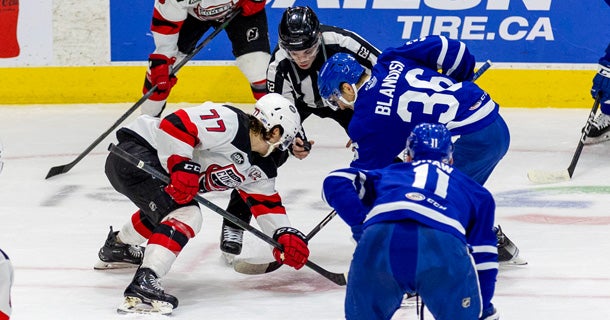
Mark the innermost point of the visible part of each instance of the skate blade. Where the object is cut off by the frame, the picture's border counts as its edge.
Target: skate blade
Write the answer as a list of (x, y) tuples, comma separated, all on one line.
[(101, 265), (228, 258), (595, 140), (515, 261), (135, 305)]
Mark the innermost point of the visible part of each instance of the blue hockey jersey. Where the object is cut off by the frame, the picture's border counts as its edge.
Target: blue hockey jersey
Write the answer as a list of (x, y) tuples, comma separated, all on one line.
[(406, 88), (429, 192)]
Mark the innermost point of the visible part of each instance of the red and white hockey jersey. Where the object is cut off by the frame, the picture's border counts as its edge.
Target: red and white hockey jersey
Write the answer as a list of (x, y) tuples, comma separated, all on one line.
[(169, 15), (217, 137)]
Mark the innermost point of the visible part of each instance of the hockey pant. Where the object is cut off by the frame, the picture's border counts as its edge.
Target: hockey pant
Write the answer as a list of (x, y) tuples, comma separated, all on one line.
[(392, 259)]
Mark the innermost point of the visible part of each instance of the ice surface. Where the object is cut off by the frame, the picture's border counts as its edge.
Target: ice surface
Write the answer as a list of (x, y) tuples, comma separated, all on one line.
[(52, 229)]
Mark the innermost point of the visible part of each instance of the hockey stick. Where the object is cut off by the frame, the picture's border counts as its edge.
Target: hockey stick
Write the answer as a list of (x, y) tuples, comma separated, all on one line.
[(245, 267), (541, 176), (66, 167), (338, 278), (481, 70)]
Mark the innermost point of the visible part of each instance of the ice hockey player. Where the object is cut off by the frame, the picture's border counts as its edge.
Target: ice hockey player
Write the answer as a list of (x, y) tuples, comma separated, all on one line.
[(600, 130), (211, 147), (176, 28), (405, 89), (304, 45), (421, 227), (6, 275), (6, 282)]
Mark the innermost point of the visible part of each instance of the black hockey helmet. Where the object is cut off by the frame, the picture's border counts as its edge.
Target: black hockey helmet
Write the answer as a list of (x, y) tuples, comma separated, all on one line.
[(299, 29)]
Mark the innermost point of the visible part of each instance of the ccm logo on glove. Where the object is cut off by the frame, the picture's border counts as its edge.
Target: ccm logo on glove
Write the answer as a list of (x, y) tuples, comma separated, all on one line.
[(184, 182), (295, 252)]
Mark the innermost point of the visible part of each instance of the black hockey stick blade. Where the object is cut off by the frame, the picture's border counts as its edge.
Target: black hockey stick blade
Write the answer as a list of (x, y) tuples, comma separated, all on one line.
[(66, 167), (251, 268), (337, 278), (545, 177)]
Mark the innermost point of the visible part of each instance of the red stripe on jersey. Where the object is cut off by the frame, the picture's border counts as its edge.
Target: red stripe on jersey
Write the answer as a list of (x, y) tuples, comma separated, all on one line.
[(3, 316), (180, 126), (138, 224), (261, 204), (163, 26)]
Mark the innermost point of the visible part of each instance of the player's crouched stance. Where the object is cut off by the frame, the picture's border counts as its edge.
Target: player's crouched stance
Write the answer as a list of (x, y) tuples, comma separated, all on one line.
[(422, 227), (211, 147)]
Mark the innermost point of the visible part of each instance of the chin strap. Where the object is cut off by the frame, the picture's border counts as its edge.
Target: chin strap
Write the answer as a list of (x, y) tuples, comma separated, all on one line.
[(271, 148), (351, 104)]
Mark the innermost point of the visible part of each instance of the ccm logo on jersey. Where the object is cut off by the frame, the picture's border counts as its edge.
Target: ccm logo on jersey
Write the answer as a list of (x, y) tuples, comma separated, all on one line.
[(416, 196), (224, 176)]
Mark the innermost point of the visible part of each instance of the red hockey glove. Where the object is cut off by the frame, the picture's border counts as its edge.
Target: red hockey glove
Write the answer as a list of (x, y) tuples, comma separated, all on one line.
[(184, 182), (250, 7), (159, 67), (295, 247)]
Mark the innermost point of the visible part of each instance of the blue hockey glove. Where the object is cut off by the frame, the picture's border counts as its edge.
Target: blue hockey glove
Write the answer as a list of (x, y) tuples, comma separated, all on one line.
[(601, 82)]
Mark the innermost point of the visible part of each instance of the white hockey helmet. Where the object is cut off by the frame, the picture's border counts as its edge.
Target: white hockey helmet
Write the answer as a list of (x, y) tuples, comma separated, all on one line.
[(272, 110)]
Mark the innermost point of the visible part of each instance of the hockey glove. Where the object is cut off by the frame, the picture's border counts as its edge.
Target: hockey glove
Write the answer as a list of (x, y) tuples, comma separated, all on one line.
[(295, 247), (250, 7), (159, 68), (184, 182), (601, 83)]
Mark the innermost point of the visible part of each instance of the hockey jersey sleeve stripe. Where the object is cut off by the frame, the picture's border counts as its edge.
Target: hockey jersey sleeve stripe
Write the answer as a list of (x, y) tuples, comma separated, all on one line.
[(443, 53), (261, 204), (180, 126), (343, 190), (458, 59), (164, 26), (487, 109)]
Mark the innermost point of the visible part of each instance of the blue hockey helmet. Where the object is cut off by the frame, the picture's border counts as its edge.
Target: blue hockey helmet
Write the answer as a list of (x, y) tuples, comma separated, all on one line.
[(430, 141), (339, 68)]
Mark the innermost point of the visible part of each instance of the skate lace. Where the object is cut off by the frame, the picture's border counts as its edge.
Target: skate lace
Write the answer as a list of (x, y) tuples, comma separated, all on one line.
[(154, 282), (601, 121), (500, 235), (135, 251), (232, 235)]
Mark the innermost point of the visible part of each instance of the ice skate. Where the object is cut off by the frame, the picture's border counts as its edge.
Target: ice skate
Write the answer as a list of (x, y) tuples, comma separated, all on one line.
[(145, 295), (230, 243), (599, 130), (508, 253), (114, 255)]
